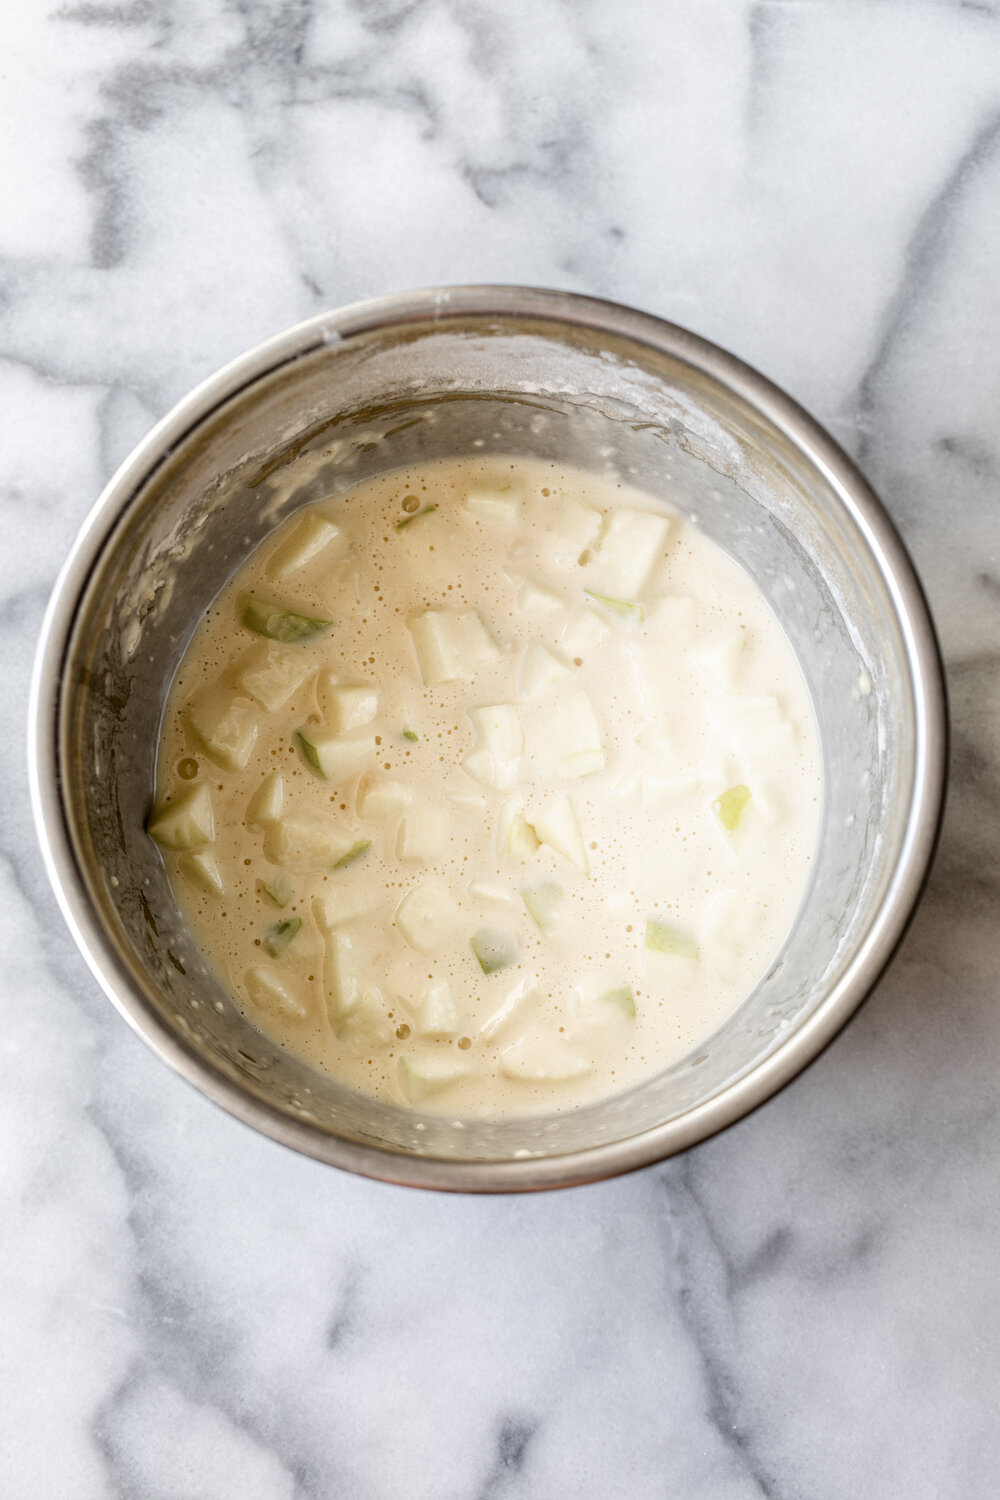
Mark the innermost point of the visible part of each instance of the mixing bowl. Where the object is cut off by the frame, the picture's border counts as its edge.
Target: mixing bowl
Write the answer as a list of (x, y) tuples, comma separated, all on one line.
[(484, 370)]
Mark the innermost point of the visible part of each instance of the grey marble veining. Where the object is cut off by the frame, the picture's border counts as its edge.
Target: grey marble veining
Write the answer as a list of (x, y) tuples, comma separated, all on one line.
[(807, 1306)]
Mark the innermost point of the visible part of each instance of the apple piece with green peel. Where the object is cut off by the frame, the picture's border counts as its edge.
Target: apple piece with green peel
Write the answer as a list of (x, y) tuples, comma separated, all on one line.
[(314, 536), (428, 916), (624, 609), (280, 624), (424, 1074), (266, 804), (542, 1059), (543, 899), (202, 870), (502, 506), (274, 994), (349, 705), (603, 999), (225, 727), (437, 1013), (495, 949), (516, 839), (278, 936), (187, 822), (540, 669), (556, 825), (632, 544), (350, 856), (278, 888), (308, 845), (664, 937), (380, 799), (451, 645), (271, 673), (417, 515), (336, 759), (618, 1002), (730, 807)]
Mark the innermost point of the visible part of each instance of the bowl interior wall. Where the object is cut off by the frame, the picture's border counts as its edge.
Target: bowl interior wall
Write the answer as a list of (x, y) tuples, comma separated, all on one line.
[(343, 412)]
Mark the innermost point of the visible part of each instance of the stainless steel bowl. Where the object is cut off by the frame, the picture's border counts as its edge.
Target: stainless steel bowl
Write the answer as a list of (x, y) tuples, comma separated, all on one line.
[(486, 369)]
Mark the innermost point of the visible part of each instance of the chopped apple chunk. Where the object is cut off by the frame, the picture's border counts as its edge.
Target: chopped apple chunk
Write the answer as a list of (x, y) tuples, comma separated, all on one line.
[(274, 993), (730, 807), (308, 845), (428, 916), (423, 835), (516, 838), (543, 899), (541, 1059), (721, 660), (664, 937), (540, 669), (202, 870), (535, 600), (225, 727), (341, 986), (501, 743), (624, 609), (279, 623), (185, 823), (350, 705), (278, 888), (584, 633), (278, 936), (572, 527), (272, 673), (495, 948), (502, 506), (380, 799), (632, 544), (406, 521), (556, 825), (357, 850), (336, 758), (425, 1074), (267, 801), (315, 535), (451, 645), (437, 1013), (350, 901), (564, 737)]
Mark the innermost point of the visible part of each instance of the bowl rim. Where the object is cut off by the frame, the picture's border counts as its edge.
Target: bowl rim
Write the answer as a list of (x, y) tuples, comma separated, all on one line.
[(844, 479)]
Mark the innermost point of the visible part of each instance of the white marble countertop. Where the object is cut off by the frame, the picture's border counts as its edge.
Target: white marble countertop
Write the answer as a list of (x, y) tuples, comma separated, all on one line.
[(807, 1306)]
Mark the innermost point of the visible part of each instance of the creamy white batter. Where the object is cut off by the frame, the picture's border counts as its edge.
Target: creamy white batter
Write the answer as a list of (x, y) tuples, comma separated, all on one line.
[(489, 786)]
